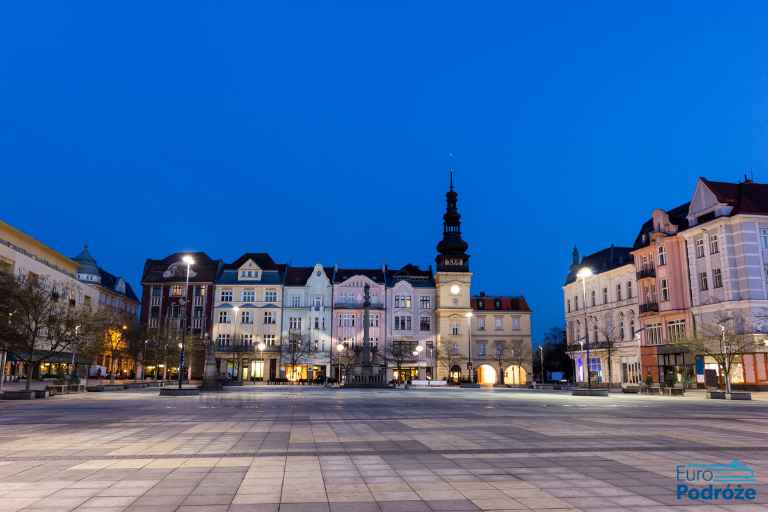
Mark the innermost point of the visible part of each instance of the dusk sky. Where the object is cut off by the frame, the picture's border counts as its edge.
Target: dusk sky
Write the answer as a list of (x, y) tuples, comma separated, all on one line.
[(322, 132)]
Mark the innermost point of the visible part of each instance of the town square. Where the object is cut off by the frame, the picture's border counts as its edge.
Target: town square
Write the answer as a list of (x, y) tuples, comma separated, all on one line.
[(383, 256), (294, 448)]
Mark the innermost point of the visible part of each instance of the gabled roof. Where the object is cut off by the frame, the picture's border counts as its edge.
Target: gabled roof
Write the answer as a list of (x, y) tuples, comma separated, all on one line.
[(262, 259), (677, 216), (602, 261), (110, 281), (412, 274), (374, 274), (484, 302), (745, 197), (298, 276), (205, 269)]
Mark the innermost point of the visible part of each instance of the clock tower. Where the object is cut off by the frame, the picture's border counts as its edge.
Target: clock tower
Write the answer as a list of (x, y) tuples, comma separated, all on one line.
[(454, 310)]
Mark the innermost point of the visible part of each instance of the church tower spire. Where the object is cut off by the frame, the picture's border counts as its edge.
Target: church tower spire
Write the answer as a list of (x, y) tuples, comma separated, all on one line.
[(452, 249)]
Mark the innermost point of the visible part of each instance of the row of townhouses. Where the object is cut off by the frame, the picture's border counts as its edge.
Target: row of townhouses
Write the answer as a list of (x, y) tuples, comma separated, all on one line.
[(265, 320), (693, 269), (78, 279)]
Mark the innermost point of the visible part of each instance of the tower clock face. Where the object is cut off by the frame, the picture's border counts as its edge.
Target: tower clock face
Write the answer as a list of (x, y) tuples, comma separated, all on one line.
[(455, 289)]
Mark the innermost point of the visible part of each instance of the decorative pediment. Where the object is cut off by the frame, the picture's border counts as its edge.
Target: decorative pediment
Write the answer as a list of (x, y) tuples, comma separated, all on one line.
[(249, 271), (318, 276), (705, 201)]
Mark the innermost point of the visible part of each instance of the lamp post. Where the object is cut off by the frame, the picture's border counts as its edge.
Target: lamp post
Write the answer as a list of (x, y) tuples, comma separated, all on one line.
[(726, 365), (583, 274), (340, 348), (235, 346), (261, 346), (541, 354), (468, 315), (188, 261)]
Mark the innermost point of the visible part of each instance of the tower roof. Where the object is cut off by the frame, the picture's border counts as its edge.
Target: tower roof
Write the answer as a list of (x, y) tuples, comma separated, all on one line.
[(86, 263), (452, 249)]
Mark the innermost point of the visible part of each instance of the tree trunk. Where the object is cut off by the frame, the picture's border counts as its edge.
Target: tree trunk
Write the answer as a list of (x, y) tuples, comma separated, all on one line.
[(28, 368)]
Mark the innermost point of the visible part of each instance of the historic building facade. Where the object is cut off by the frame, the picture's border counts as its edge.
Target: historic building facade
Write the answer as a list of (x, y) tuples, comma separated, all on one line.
[(664, 296), (271, 321), (114, 297), (500, 339), (603, 312), (701, 269), (307, 318), (410, 321), (23, 255), (248, 317), (170, 307), (727, 257)]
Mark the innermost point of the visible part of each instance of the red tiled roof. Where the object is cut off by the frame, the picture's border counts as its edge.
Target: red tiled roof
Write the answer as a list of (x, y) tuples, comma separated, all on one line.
[(745, 197), (505, 303)]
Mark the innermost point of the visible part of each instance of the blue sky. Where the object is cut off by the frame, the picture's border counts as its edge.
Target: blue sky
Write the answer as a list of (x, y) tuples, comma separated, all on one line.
[(321, 131)]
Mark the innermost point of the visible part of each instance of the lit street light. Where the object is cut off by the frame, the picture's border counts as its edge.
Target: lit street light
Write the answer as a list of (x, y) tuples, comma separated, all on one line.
[(188, 261), (583, 274), (469, 315)]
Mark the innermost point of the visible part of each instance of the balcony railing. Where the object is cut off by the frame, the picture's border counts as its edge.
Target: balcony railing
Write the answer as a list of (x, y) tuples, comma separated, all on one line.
[(645, 272), (649, 307)]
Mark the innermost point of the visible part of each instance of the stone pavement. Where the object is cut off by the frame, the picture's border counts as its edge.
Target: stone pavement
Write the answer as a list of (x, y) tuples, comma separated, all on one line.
[(309, 449)]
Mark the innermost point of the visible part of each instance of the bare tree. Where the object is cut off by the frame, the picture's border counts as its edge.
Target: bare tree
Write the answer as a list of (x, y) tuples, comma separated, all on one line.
[(449, 357), (726, 340), (40, 320), (345, 359), (611, 334), (398, 352), (519, 354), (296, 350)]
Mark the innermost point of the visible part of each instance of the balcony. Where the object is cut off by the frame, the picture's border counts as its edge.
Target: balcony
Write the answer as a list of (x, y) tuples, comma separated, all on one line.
[(649, 307), (646, 272)]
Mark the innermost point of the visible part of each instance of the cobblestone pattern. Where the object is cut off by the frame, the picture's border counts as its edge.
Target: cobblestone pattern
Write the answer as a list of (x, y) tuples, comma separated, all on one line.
[(304, 450)]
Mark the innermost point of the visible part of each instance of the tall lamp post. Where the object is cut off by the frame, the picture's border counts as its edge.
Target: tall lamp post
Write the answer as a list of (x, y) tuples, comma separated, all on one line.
[(468, 315), (583, 274), (340, 348), (541, 355), (261, 346), (236, 347), (188, 261)]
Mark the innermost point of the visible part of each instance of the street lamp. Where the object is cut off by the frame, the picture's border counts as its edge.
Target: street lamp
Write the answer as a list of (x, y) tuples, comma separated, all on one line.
[(188, 261), (469, 315), (236, 346), (583, 274), (340, 348), (541, 353)]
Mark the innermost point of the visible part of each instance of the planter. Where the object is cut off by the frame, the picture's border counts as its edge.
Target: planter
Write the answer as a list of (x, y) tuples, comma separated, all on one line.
[(630, 389), (741, 395), (673, 391), (179, 392), (717, 395), (19, 395), (41, 393), (590, 392)]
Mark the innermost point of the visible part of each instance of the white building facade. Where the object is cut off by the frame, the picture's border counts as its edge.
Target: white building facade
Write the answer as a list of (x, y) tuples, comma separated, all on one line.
[(608, 321), (727, 247), (307, 316)]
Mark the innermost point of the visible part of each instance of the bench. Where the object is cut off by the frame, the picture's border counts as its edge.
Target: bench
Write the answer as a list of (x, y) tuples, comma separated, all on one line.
[(741, 395), (717, 395)]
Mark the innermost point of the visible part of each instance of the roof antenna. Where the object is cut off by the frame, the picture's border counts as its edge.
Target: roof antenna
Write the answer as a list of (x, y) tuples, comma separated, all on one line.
[(450, 171)]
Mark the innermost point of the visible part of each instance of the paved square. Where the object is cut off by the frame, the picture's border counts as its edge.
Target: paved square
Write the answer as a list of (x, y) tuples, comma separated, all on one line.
[(308, 449)]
